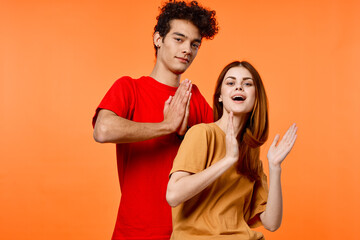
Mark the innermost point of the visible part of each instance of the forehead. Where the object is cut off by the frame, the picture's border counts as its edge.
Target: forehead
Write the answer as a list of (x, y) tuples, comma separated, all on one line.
[(238, 72), (184, 27)]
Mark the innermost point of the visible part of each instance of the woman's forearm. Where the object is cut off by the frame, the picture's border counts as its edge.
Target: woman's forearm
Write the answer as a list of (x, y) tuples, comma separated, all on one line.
[(183, 185), (272, 216)]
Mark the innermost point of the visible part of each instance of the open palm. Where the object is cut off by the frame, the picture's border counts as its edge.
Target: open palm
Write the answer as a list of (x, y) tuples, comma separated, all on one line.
[(278, 151)]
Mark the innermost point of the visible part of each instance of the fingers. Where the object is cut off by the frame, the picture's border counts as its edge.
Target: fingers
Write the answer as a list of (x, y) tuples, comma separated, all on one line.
[(288, 140), (290, 134), (232, 147), (186, 95), (184, 123), (230, 128), (188, 106), (189, 91), (187, 111), (291, 144), (183, 91), (176, 112), (280, 149)]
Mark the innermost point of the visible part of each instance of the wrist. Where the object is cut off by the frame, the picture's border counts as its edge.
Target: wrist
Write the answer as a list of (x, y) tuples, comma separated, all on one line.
[(276, 168), (166, 127), (231, 160)]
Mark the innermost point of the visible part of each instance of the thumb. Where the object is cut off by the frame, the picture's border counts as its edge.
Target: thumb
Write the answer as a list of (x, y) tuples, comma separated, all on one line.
[(167, 103), (276, 139)]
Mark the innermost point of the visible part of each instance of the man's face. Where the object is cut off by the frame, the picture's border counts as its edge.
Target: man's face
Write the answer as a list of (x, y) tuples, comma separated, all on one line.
[(179, 47)]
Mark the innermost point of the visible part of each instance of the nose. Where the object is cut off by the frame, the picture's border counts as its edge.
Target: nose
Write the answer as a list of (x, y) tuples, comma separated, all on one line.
[(186, 49), (239, 87)]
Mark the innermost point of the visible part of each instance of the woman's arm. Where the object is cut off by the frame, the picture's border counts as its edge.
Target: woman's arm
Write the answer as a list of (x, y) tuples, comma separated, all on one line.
[(184, 185), (272, 216)]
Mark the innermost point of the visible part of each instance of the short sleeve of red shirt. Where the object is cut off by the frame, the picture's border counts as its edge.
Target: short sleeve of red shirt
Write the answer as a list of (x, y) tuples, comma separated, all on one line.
[(199, 107), (119, 99)]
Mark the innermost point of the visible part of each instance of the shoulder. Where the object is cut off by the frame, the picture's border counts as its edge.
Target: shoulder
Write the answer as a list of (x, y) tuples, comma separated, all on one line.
[(196, 91), (129, 83), (199, 100), (124, 80), (195, 88), (202, 129)]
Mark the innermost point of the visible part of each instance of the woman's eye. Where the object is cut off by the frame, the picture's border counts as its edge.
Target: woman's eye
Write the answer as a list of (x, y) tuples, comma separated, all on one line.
[(248, 84), (230, 83)]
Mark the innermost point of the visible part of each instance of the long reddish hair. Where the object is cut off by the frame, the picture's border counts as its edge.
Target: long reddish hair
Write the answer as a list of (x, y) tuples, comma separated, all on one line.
[(256, 129)]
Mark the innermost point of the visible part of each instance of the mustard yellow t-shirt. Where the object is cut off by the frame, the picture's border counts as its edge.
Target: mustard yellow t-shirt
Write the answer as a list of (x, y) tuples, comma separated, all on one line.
[(227, 208)]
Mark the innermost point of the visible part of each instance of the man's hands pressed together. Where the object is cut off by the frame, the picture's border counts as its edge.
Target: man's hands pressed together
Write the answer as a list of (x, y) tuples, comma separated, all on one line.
[(176, 108)]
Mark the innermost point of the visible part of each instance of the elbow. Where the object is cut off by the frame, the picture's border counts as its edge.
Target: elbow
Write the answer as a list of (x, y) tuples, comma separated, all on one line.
[(100, 133), (272, 228), (271, 223), (172, 199)]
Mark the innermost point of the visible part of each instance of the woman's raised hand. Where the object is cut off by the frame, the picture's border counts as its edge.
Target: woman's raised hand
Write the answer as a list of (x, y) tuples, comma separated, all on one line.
[(278, 152), (232, 146)]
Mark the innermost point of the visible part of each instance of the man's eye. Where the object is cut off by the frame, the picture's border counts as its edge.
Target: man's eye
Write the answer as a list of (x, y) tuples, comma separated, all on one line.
[(196, 46), (178, 39)]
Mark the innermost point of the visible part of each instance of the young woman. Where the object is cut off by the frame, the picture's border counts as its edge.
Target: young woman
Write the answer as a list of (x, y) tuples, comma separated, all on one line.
[(217, 186)]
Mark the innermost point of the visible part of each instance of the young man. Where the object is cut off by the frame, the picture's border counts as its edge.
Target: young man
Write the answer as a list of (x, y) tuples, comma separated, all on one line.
[(146, 118)]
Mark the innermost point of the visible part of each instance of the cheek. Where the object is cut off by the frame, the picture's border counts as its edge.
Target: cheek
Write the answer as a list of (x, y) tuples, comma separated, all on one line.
[(252, 95), (221, 93), (252, 104)]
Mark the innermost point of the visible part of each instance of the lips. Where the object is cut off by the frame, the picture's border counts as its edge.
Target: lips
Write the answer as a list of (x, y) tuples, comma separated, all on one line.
[(184, 60), (238, 98)]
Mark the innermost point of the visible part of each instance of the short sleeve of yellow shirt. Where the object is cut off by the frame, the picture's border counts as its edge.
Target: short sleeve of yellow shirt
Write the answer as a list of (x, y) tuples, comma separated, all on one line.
[(226, 209)]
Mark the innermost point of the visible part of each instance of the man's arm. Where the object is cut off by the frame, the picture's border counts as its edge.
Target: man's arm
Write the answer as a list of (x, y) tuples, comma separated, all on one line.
[(110, 128)]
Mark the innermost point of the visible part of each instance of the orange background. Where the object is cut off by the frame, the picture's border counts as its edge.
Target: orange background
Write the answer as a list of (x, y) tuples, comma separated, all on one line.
[(58, 58)]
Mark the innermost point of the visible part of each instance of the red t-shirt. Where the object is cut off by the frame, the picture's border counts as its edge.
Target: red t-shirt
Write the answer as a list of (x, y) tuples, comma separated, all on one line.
[(143, 167)]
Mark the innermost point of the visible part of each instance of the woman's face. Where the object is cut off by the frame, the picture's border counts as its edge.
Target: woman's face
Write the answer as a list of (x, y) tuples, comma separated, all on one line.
[(238, 91)]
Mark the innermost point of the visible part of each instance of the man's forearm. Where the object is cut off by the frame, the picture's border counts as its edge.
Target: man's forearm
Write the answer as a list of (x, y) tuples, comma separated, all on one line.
[(110, 128)]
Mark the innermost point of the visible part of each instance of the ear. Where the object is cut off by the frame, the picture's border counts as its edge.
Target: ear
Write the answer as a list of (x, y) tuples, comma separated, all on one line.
[(220, 99), (157, 39)]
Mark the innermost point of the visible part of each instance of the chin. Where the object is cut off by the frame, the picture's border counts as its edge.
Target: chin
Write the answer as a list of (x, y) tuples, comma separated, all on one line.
[(238, 112), (179, 71)]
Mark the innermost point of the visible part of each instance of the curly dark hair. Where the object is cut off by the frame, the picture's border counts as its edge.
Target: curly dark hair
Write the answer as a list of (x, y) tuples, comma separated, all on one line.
[(202, 18)]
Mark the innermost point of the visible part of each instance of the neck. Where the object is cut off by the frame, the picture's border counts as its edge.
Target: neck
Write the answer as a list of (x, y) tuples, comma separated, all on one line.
[(165, 76), (239, 122)]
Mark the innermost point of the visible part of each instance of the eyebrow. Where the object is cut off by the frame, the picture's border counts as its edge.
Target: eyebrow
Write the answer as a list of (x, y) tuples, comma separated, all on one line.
[(182, 35), (245, 78)]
